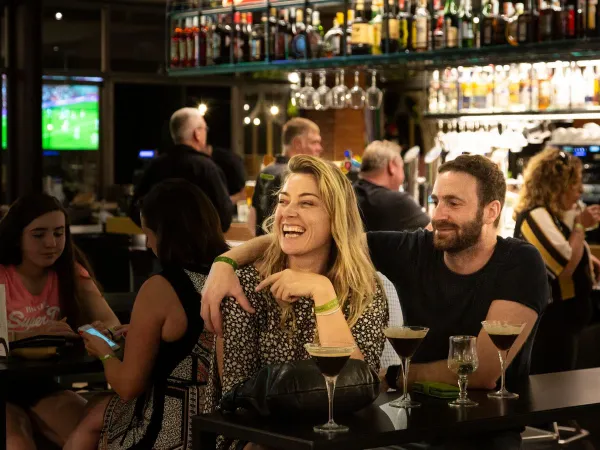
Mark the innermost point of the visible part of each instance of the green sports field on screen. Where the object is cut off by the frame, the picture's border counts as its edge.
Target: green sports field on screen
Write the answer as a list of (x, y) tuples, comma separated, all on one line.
[(70, 118)]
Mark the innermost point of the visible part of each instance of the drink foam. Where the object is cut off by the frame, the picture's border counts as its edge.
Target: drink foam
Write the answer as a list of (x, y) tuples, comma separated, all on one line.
[(404, 333), (502, 329)]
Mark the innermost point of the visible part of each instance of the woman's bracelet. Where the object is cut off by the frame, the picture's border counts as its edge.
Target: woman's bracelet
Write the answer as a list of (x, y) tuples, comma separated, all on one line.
[(579, 227), (106, 357), (227, 260), (328, 313), (328, 307)]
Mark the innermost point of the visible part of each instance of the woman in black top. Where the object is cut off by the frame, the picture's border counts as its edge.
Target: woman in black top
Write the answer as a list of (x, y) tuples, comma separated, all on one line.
[(549, 217), (160, 384)]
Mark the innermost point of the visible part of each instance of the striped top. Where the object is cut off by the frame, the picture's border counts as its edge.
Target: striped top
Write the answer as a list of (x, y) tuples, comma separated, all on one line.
[(550, 235)]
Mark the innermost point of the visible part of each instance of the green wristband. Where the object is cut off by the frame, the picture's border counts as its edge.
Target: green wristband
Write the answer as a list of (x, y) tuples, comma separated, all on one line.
[(329, 306), (227, 260)]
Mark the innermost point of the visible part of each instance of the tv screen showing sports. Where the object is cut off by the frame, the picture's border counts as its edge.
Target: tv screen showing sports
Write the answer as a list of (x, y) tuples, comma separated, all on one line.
[(70, 117)]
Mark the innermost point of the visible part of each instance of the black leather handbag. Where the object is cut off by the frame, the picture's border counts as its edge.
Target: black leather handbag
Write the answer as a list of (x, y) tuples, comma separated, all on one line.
[(39, 341), (298, 388)]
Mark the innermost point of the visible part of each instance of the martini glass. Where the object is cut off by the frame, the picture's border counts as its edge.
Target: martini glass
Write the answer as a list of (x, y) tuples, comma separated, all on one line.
[(503, 335), (330, 360), (405, 341)]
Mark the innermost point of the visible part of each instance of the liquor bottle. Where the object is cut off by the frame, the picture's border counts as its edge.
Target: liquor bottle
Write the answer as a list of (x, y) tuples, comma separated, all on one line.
[(257, 40), (589, 78), (349, 22), (488, 20), (590, 28), (579, 92), (545, 89), (282, 36), (361, 32), (246, 35), (559, 21), (451, 24), (465, 17), (525, 88), (375, 25), (272, 44), (405, 25), (314, 33), (439, 37), (183, 40), (514, 89), (207, 28), (527, 24), (421, 28), (223, 31), (465, 92), (390, 30), (192, 44), (512, 33), (502, 33), (299, 41), (560, 90), (175, 61), (434, 93), (200, 40), (546, 23), (238, 38), (501, 91), (332, 42)]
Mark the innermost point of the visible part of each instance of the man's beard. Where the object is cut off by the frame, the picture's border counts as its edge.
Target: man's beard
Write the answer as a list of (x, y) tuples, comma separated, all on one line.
[(463, 237)]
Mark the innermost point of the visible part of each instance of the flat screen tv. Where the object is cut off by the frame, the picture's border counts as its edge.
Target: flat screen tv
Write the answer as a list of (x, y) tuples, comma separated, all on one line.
[(70, 117)]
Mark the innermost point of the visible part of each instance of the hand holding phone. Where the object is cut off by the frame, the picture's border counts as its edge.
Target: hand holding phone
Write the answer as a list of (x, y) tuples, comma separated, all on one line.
[(94, 332)]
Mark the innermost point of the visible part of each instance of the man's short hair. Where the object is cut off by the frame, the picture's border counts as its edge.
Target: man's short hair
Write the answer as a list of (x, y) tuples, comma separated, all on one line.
[(181, 125), (297, 127), (491, 184), (378, 155)]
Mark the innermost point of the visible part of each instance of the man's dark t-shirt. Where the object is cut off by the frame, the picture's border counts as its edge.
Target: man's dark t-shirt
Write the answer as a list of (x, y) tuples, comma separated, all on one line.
[(233, 167), (185, 162), (268, 184), (450, 304), (382, 209)]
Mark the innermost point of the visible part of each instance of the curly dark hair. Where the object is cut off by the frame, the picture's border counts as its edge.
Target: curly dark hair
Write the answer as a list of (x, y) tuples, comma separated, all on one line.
[(491, 184)]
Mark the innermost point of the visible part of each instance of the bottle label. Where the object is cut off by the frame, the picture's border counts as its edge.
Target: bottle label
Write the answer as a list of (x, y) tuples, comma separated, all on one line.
[(192, 45), (183, 50), (403, 38), (394, 27), (467, 29), (451, 34), (255, 49), (378, 32), (546, 24), (421, 29), (487, 32), (175, 50), (216, 45), (522, 31), (361, 34)]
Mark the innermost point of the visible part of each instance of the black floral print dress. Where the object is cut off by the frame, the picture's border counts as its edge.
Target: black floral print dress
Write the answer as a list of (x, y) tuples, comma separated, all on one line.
[(252, 341)]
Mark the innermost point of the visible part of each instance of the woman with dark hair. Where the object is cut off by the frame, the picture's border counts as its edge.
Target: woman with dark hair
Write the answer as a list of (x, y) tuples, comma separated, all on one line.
[(49, 291), (160, 384)]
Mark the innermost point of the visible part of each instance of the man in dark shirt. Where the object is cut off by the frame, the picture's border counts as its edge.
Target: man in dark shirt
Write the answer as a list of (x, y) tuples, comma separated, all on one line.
[(382, 206), (187, 159), (448, 280), (233, 169), (300, 137)]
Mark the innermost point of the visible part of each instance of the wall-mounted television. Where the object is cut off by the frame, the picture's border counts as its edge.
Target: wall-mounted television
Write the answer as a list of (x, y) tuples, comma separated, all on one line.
[(70, 117)]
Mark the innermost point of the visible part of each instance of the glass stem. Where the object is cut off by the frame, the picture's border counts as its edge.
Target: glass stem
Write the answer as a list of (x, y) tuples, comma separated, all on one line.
[(330, 383), (405, 366), (462, 384), (502, 359)]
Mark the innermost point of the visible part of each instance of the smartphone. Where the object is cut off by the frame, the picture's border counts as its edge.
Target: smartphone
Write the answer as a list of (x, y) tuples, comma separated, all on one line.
[(91, 330)]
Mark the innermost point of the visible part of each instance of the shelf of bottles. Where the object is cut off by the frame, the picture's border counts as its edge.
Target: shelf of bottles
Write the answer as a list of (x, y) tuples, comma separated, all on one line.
[(218, 36), (540, 89)]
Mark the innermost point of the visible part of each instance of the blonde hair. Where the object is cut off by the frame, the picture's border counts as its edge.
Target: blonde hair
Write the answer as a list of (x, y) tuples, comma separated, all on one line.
[(547, 177), (350, 269), (378, 154)]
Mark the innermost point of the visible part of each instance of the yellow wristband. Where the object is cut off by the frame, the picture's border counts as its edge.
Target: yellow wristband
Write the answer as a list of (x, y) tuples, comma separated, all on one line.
[(328, 313), (329, 306), (227, 260), (579, 226), (106, 357)]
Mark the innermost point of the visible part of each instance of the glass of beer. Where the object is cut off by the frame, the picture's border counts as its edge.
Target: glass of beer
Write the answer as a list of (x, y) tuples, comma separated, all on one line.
[(330, 360), (503, 335), (405, 341), (463, 361)]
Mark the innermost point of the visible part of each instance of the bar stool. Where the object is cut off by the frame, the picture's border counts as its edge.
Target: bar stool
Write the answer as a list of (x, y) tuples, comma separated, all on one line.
[(532, 434)]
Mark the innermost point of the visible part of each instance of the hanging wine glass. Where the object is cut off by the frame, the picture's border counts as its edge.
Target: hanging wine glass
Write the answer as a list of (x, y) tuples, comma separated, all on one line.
[(339, 92), (356, 96), (324, 92), (374, 94), (309, 98)]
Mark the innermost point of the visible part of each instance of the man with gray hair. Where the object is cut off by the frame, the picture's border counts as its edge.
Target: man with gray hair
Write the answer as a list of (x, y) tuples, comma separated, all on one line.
[(382, 206), (188, 159)]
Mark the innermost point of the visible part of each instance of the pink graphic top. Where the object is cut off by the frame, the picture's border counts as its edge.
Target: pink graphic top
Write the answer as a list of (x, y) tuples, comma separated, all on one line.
[(24, 310)]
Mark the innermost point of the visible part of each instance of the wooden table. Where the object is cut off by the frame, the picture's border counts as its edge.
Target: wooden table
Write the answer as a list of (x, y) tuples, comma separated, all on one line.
[(546, 398), (71, 361)]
